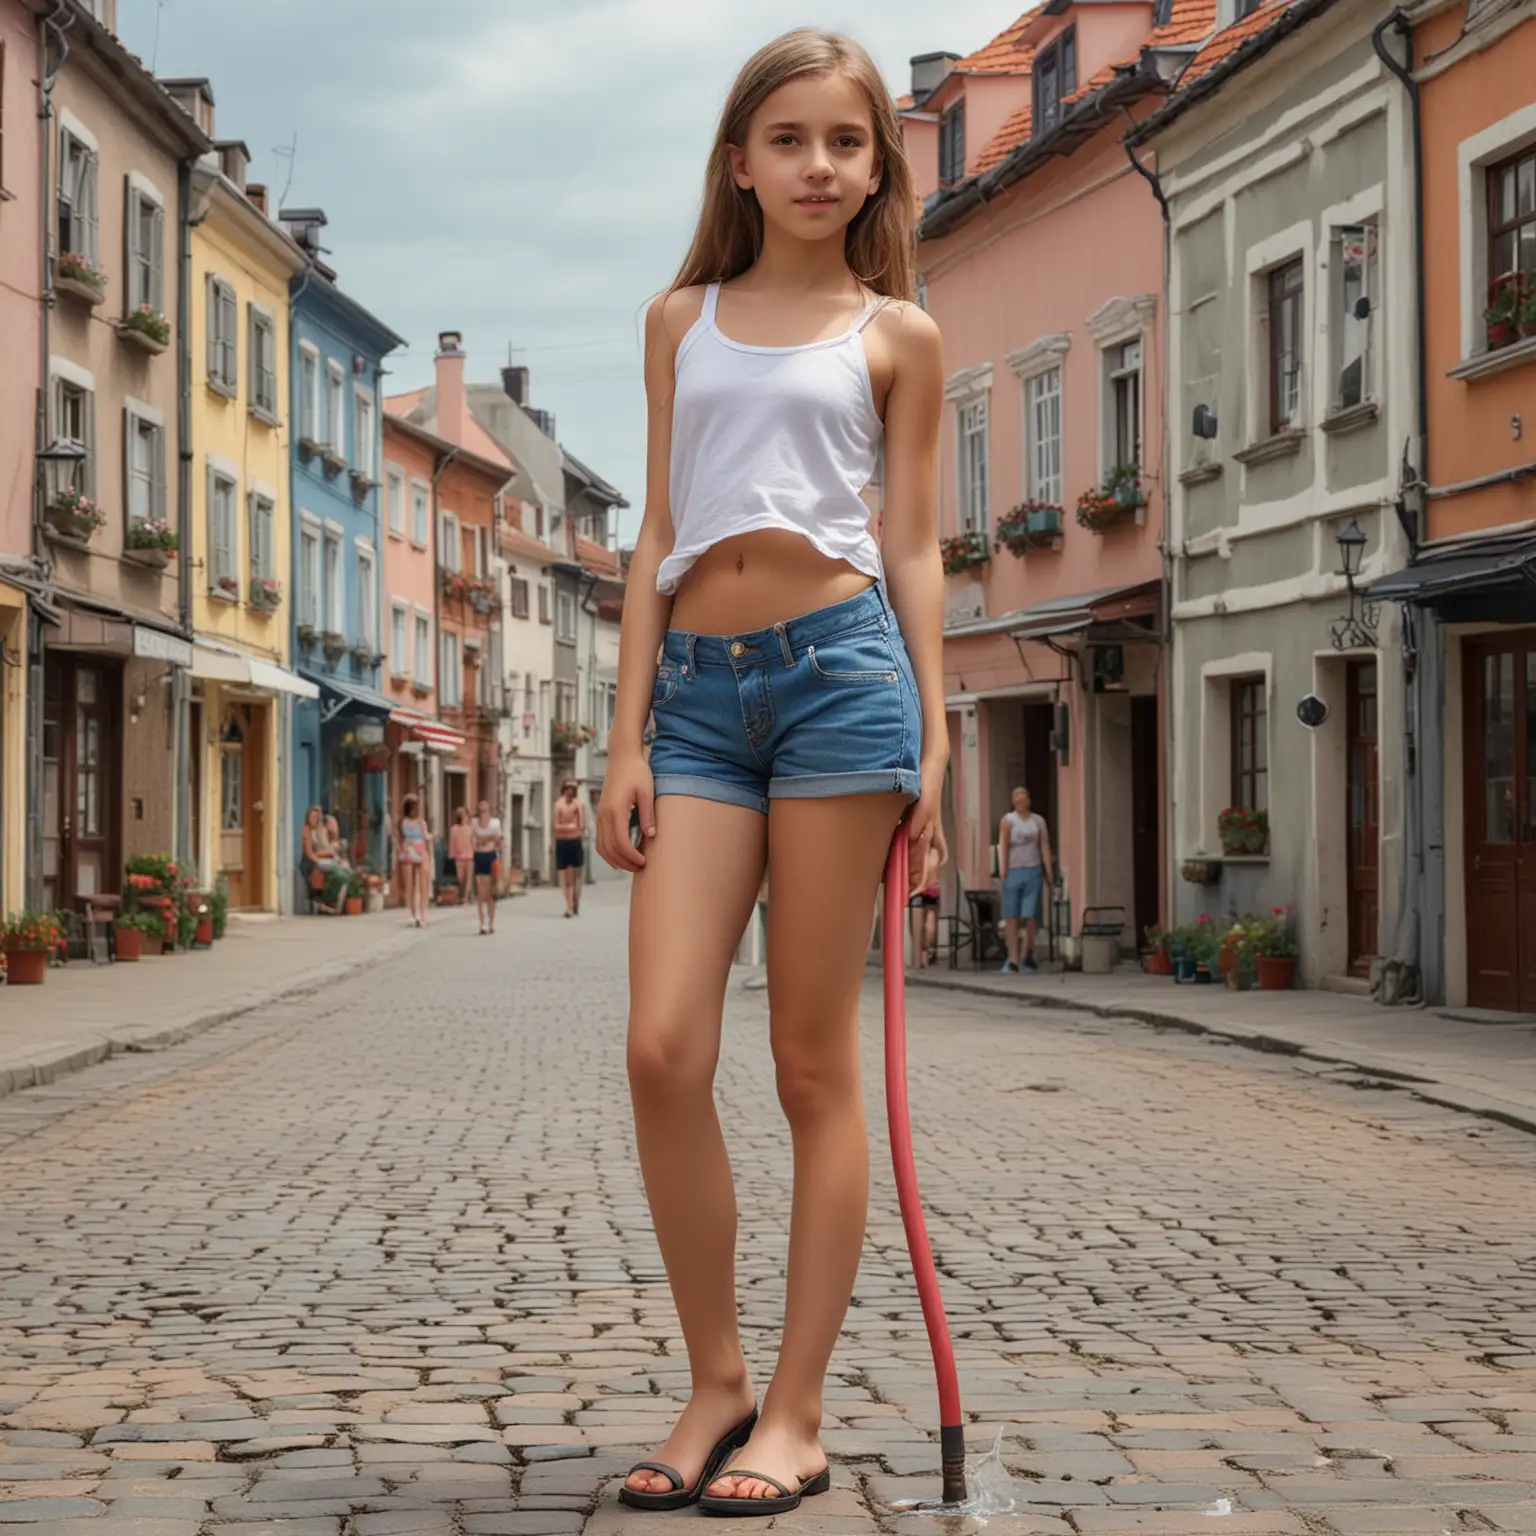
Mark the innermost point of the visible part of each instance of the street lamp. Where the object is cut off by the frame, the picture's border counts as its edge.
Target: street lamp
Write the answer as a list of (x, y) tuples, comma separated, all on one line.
[(1356, 631), (59, 461)]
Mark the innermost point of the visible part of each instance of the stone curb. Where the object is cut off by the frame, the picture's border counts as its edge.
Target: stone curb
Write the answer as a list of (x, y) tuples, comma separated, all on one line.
[(1390, 1075), (46, 1064)]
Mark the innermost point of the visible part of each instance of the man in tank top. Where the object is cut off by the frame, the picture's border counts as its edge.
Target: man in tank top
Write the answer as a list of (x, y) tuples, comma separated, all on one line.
[(1024, 857)]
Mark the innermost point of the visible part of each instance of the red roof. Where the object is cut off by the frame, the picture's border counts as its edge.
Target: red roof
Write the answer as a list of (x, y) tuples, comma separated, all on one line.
[(1230, 38), (597, 559), (1005, 54)]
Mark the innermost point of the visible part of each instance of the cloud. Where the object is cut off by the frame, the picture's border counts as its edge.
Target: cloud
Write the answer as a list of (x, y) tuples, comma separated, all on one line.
[(527, 173)]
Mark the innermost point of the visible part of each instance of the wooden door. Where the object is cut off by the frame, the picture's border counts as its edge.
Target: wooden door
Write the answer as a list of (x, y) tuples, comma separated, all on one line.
[(1145, 799), (1363, 832), (1499, 717), (234, 804), (81, 781), (255, 808)]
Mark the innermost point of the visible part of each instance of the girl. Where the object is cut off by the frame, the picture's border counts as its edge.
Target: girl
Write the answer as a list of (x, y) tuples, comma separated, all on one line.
[(413, 859), (792, 669), (485, 831), (461, 849)]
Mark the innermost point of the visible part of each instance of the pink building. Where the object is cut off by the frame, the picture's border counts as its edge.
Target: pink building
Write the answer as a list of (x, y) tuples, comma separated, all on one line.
[(1041, 253)]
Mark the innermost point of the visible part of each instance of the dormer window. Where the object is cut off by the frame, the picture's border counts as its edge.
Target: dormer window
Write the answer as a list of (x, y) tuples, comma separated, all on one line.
[(952, 146), (1055, 75)]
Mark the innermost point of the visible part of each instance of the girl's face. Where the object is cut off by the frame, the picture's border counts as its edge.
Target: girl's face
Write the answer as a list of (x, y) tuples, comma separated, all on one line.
[(810, 156)]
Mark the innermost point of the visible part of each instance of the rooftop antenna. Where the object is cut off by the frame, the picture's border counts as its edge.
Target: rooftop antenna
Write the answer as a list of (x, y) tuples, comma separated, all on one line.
[(154, 54), (290, 153)]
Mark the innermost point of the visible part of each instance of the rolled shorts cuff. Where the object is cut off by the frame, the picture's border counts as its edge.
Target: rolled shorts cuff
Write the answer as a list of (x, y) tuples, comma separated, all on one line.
[(702, 788), (827, 786)]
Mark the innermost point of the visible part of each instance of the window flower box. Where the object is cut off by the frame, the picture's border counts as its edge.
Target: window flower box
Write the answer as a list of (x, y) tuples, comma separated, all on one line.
[(1030, 525), (334, 460), (335, 645), (567, 737), (362, 483), (76, 274), (963, 551), (1104, 507), (227, 586), (266, 593), (146, 329), (307, 633), (73, 516), (151, 542), (1200, 871), (1505, 312), (1243, 831)]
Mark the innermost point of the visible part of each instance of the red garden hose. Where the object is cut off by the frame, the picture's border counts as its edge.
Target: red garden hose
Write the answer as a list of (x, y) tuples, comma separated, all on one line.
[(951, 1427)]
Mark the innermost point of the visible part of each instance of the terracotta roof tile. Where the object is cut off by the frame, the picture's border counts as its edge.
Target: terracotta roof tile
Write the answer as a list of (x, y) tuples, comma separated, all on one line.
[(906, 102), (1014, 131), (1005, 54), (1191, 21), (1229, 39)]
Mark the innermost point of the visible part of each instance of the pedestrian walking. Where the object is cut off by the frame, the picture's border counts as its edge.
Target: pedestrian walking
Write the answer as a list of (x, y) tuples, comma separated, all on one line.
[(461, 851), (1024, 856), (792, 669), (485, 833), (413, 860), (925, 910), (570, 844)]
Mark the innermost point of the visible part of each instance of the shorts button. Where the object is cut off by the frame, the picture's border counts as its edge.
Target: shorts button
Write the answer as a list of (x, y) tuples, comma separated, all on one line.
[(737, 648)]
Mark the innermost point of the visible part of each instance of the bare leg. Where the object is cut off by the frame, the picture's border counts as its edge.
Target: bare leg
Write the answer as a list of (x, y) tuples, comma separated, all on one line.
[(1029, 937), (825, 861), (689, 907), (930, 933), (919, 952), (1011, 928), (565, 889)]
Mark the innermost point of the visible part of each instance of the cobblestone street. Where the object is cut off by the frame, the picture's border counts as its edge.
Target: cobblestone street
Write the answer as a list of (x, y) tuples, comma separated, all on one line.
[(376, 1260)]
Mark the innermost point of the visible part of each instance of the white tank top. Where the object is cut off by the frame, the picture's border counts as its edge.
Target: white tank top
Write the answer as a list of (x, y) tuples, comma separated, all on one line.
[(771, 437)]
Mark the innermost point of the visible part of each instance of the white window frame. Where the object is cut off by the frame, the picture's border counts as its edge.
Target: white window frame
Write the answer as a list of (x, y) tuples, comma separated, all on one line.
[(367, 593), (335, 408), (1116, 371), (222, 480), (143, 423), (565, 616), (144, 270), (223, 321), (421, 513), (450, 552), (334, 578), (85, 194), (364, 436), (261, 532), (450, 674), (424, 654), (263, 337), (1216, 679), (309, 392), (1474, 154), (1259, 261), (394, 500), (69, 380), (973, 449), (311, 568), (399, 639)]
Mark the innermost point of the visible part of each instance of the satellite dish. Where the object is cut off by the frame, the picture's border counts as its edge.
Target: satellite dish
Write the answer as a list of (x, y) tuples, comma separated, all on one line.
[(1312, 711)]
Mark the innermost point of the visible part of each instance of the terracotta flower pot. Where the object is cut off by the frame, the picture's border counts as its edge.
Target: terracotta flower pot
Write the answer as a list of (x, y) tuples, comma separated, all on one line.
[(1160, 962), (129, 945), (354, 906), (204, 933), (153, 944), (1228, 959), (26, 967), (1277, 973)]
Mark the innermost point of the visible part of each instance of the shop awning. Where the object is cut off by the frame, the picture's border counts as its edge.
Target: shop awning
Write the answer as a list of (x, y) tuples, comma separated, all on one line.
[(348, 695), (432, 734), (1493, 566), (1100, 611), (221, 663)]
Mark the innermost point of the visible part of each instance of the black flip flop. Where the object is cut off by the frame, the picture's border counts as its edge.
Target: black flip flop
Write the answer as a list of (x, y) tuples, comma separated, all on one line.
[(680, 1497), (711, 1504)]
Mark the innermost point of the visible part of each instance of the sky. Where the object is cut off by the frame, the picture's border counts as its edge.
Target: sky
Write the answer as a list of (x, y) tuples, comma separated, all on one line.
[(528, 174)]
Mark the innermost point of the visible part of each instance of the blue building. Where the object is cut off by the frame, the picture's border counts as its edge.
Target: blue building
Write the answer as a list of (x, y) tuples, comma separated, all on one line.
[(338, 758)]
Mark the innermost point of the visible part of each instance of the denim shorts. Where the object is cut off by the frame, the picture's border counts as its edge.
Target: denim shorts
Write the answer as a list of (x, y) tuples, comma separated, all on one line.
[(822, 705), (1021, 893)]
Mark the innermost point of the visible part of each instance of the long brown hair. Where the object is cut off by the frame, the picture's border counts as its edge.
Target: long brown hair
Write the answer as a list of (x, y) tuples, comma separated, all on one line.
[(730, 232)]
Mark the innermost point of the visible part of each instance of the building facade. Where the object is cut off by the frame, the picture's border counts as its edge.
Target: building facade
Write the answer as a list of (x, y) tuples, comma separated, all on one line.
[(1285, 163), (1467, 597), (109, 671), (236, 538), (339, 739)]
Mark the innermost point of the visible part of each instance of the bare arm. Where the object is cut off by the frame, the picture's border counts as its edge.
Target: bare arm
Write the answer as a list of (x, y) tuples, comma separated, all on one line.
[(910, 547), (1045, 852), (1002, 849)]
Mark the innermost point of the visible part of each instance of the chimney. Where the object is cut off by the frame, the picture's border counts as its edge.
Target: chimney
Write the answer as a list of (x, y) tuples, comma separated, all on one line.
[(195, 97), (257, 193), (514, 382), (450, 386), (929, 71), (304, 224), (234, 160)]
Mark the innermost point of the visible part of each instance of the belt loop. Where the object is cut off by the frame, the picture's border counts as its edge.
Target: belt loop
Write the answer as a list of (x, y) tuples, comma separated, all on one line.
[(784, 646), (693, 666)]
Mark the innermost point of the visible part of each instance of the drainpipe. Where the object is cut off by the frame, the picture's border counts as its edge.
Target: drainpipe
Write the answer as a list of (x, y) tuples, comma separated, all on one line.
[(185, 746), (444, 463), (1165, 755)]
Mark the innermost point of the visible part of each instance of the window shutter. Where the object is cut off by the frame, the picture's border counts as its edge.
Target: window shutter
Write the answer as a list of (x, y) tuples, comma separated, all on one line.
[(92, 222), (213, 327), (157, 261), (88, 474), (213, 527), (130, 244), (62, 240), (157, 497), (254, 363), (231, 339)]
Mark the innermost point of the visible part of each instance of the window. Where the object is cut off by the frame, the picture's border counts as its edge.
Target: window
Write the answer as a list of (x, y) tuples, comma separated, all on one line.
[(399, 642), (1250, 745), (607, 707), (309, 574), (146, 469), (263, 363), (449, 553), (1285, 345), (1354, 285), (543, 605), (394, 502), (478, 543), (952, 146), (79, 213), (450, 673), (261, 515), (223, 535), (421, 661), (565, 617), (519, 597), (335, 583), (223, 345), (565, 703), (1124, 405), (1055, 78), (74, 417), (973, 464), (362, 448), (335, 409), (1243, 8), (1512, 226), (309, 393), (482, 681), (367, 597), (1042, 433), (494, 672), (145, 227), (419, 513)]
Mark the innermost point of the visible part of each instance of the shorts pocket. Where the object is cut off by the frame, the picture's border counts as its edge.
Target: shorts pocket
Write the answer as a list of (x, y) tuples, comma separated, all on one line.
[(862, 657), (666, 685)]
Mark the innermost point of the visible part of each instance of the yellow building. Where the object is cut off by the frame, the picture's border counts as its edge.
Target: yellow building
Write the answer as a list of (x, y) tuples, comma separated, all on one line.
[(239, 527)]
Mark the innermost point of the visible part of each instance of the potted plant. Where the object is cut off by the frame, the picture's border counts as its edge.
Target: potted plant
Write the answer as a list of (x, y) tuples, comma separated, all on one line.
[(76, 273), (1205, 949), (200, 907), (228, 586), (1123, 482), (1243, 832), (29, 938), (218, 907), (1528, 311), (145, 328), (74, 515), (266, 592), (1181, 950), (1274, 948), (1029, 525), (1098, 510), (1159, 961), (151, 542), (1200, 871), (357, 888), (1502, 315), (134, 930), (963, 551)]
